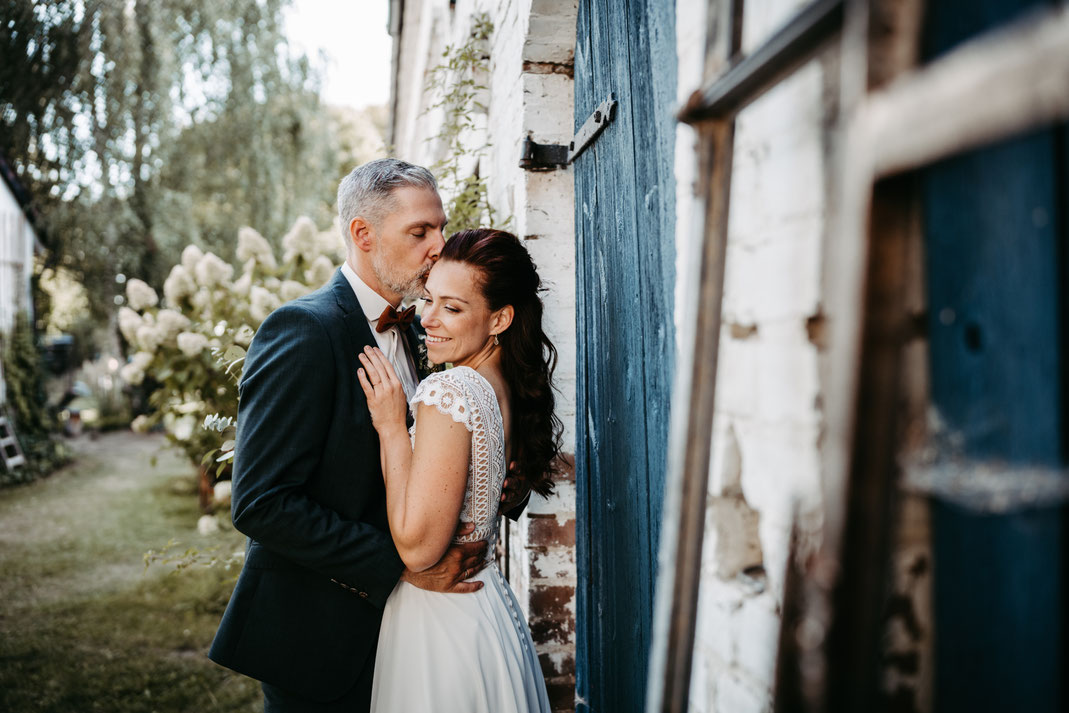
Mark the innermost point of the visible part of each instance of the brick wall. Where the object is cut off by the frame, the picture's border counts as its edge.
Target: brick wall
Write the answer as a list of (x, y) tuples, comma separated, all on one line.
[(529, 93), (766, 433)]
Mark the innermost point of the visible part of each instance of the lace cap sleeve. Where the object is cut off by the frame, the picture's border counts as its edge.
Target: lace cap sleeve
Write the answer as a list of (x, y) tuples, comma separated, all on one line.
[(450, 393)]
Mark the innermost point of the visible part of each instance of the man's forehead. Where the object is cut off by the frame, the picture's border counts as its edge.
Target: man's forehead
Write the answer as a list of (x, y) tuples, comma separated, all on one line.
[(417, 205)]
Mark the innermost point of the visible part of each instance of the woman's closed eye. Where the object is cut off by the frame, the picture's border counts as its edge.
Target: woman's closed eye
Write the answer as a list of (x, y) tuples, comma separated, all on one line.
[(448, 308)]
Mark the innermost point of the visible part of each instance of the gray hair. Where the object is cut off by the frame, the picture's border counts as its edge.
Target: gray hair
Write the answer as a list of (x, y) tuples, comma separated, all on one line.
[(367, 190)]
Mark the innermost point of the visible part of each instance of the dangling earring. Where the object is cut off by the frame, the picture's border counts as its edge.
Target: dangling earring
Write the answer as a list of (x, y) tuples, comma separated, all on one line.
[(496, 343)]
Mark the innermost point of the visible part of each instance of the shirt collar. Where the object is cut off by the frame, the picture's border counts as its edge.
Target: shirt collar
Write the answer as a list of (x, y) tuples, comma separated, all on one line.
[(371, 302)]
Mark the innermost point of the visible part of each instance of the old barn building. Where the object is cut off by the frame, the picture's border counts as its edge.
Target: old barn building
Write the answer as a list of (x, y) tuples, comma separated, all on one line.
[(807, 276)]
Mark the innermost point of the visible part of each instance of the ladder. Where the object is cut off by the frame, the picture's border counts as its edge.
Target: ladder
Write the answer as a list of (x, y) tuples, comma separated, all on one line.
[(10, 452)]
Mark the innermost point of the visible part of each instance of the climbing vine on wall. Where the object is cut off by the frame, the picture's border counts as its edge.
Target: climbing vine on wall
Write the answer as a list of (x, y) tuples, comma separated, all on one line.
[(458, 82)]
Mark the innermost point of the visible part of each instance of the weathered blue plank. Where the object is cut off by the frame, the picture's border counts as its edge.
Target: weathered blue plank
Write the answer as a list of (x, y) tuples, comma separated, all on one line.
[(996, 281), (653, 92), (996, 249), (588, 630), (624, 225)]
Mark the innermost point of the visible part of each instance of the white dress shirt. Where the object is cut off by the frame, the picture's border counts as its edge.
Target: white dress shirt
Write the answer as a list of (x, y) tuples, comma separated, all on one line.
[(391, 341)]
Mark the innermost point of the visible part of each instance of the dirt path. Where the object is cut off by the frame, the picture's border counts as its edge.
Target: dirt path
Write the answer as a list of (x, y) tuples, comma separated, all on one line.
[(85, 518), (83, 626)]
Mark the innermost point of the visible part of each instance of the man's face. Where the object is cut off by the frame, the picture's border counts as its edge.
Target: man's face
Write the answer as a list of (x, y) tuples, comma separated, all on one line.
[(408, 240)]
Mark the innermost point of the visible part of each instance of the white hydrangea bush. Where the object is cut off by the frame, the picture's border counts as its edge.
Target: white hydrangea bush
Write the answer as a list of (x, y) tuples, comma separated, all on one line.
[(191, 344)]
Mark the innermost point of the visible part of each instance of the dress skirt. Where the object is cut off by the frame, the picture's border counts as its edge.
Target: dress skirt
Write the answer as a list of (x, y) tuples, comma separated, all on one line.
[(457, 653)]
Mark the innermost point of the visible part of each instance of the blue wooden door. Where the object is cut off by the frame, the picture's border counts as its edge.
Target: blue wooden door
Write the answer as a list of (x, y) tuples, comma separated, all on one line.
[(995, 227), (624, 216)]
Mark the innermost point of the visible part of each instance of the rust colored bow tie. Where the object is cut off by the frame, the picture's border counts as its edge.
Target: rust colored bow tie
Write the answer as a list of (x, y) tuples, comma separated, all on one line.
[(390, 317)]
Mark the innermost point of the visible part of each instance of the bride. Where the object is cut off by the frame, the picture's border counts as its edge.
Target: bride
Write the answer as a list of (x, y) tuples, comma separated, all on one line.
[(468, 652)]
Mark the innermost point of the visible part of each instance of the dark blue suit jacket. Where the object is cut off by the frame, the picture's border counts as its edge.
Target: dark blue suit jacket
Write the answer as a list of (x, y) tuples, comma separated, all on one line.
[(308, 492)]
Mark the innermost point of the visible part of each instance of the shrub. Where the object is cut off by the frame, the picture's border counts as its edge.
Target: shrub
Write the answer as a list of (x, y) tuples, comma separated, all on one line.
[(190, 348), (24, 375)]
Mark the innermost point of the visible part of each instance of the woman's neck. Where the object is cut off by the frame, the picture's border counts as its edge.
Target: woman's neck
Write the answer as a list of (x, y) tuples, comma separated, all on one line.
[(489, 357)]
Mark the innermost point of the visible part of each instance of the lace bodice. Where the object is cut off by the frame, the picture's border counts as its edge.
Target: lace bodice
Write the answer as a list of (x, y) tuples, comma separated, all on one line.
[(465, 396)]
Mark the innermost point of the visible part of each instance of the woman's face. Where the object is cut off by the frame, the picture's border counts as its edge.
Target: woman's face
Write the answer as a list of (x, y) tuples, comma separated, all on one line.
[(459, 323)]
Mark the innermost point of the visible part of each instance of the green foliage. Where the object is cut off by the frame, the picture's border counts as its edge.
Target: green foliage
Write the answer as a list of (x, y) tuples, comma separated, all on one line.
[(24, 375), (193, 558), (141, 127), (459, 80)]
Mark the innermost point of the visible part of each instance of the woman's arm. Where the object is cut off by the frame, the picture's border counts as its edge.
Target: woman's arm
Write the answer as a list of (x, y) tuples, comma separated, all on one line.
[(424, 488)]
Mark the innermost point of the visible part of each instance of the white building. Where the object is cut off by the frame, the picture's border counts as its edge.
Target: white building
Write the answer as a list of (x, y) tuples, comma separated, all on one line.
[(777, 173), (18, 242)]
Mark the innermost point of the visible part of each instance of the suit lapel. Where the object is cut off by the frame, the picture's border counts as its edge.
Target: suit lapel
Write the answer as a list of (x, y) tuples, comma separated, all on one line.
[(414, 336), (358, 331)]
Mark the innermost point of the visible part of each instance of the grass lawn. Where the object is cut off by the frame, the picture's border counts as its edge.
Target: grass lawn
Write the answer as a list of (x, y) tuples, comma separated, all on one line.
[(83, 625)]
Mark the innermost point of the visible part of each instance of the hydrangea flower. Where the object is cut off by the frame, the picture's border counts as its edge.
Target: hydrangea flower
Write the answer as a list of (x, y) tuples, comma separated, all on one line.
[(170, 323), (241, 285), (192, 343), (134, 372), (211, 271), (302, 241), (262, 303), (253, 246), (178, 285), (129, 321), (320, 272), (190, 257), (140, 296), (149, 338), (291, 290)]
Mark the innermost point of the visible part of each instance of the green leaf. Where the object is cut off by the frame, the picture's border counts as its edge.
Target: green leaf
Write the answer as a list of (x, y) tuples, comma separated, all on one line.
[(233, 353)]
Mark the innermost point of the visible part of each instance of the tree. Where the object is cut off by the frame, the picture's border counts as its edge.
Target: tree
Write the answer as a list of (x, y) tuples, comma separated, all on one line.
[(142, 126)]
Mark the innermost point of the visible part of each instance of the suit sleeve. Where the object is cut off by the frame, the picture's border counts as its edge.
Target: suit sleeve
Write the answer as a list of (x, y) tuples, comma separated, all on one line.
[(284, 415)]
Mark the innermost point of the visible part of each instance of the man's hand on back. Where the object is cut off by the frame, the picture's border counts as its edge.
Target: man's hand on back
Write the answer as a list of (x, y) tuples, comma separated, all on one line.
[(460, 562)]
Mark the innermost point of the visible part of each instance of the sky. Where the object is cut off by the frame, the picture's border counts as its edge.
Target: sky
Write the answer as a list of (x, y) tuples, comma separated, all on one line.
[(353, 35)]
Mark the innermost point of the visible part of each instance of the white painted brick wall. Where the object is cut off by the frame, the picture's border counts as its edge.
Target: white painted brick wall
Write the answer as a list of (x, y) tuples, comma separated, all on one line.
[(520, 103), (526, 96), (767, 422)]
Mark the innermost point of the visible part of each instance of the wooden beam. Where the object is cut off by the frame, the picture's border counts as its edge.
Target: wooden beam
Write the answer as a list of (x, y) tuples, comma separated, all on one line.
[(999, 85), (693, 401), (829, 643), (790, 47)]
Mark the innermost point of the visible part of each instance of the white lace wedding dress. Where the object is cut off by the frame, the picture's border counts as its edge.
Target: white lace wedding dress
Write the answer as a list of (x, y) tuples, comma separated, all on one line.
[(462, 653)]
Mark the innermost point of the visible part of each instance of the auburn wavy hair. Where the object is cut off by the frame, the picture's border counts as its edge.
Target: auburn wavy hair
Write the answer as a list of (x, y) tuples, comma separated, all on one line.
[(507, 276)]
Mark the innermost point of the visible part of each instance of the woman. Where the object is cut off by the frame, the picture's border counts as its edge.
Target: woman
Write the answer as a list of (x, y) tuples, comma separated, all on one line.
[(466, 652)]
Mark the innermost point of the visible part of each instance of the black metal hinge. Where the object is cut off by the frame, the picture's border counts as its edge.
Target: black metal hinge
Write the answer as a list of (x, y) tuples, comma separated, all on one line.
[(548, 157)]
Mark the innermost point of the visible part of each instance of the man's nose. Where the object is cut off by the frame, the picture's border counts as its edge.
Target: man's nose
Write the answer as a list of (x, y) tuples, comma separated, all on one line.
[(439, 244)]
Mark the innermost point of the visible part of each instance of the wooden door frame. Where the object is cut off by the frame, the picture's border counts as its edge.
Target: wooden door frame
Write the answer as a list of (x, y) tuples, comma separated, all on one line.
[(897, 118)]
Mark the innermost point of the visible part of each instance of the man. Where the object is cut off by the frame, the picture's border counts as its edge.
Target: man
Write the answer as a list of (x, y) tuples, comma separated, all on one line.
[(308, 490)]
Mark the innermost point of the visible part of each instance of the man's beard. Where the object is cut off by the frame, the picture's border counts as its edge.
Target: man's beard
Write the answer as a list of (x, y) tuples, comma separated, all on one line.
[(408, 286)]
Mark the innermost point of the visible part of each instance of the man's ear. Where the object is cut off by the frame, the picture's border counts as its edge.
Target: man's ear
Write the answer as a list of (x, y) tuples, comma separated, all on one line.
[(502, 319), (360, 233)]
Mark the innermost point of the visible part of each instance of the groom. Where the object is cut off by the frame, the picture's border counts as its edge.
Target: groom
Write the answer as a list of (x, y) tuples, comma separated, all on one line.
[(308, 491)]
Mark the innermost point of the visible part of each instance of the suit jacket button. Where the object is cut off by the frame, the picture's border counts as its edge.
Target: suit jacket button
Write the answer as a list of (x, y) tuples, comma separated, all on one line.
[(363, 594)]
